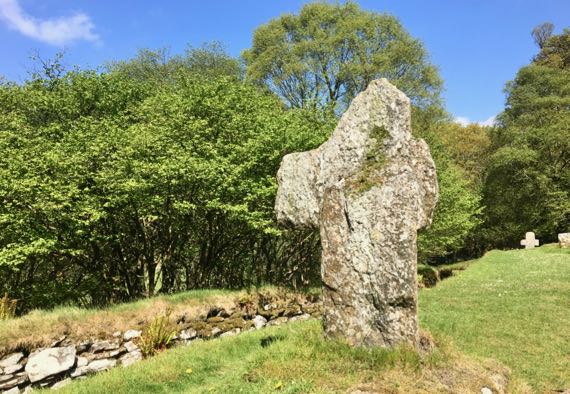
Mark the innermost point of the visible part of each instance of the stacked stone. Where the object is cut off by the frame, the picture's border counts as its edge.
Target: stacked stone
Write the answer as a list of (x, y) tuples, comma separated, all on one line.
[(65, 359)]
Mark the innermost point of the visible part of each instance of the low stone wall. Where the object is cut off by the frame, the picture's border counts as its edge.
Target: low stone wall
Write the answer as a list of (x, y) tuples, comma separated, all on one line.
[(68, 359)]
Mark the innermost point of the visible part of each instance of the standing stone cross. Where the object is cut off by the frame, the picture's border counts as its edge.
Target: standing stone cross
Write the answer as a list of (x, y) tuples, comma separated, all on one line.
[(369, 188), (529, 241)]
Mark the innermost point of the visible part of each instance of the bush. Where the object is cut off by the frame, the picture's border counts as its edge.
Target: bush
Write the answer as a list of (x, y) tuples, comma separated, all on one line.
[(157, 335), (7, 307)]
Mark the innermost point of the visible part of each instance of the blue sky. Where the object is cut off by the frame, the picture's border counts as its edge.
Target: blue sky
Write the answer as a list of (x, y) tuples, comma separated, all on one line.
[(477, 44)]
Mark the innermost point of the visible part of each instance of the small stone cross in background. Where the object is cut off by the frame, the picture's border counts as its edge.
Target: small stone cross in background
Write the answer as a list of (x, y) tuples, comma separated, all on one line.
[(529, 241)]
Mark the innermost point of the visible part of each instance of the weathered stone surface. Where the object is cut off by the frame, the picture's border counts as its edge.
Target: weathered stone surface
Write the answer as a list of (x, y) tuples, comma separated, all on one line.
[(131, 358), (131, 347), (259, 322), (11, 359), (61, 383), (101, 365), (564, 240), (369, 188), (231, 333), (100, 346), (83, 346), (132, 334), (13, 369), (9, 381), (82, 361), (529, 241), (188, 334), (50, 362), (14, 390), (277, 321), (304, 316)]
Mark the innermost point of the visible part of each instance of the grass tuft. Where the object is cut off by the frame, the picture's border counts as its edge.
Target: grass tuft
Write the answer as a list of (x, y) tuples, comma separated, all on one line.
[(7, 308)]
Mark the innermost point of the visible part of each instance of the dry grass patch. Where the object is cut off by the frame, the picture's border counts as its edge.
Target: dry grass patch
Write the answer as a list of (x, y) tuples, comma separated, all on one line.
[(40, 328)]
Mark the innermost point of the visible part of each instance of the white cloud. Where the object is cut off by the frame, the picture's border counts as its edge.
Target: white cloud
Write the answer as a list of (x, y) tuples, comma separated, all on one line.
[(489, 122), (464, 121), (55, 31)]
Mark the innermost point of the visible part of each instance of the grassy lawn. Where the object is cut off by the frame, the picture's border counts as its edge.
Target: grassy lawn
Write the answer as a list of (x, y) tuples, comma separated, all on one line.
[(513, 306), (291, 359)]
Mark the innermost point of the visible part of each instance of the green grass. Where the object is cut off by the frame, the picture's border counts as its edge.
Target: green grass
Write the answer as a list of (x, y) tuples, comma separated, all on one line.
[(513, 306), (292, 358)]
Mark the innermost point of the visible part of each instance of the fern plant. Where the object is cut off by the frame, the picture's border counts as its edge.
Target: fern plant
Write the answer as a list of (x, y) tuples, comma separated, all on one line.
[(157, 335), (7, 307)]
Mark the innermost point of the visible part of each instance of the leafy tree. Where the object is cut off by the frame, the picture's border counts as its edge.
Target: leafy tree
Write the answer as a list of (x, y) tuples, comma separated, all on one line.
[(469, 147), (542, 33), (555, 51), (115, 187), (528, 182), (208, 61), (458, 209), (328, 53)]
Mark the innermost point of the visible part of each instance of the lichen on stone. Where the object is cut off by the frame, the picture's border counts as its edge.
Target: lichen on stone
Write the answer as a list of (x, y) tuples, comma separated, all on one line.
[(375, 160)]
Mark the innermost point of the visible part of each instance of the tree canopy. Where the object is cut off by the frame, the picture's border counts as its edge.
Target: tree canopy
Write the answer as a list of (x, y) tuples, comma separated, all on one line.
[(114, 187), (328, 53), (528, 180)]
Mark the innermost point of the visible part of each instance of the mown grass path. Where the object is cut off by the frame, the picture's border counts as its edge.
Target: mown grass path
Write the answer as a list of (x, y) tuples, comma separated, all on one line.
[(513, 306)]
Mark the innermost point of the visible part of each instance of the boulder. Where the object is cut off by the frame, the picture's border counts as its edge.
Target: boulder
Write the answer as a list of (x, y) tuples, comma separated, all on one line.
[(278, 321), (132, 334), (61, 383), (259, 322), (231, 333), (131, 347), (13, 390), (101, 346), (50, 362), (564, 239), (11, 360), (101, 365), (131, 358), (82, 362), (188, 334), (13, 369)]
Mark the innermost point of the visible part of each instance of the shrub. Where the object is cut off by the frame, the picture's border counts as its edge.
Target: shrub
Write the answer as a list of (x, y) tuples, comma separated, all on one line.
[(157, 335), (7, 307)]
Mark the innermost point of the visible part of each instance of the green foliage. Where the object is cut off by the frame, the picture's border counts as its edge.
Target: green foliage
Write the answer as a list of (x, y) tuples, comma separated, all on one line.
[(157, 335), (469, 147), (527, 186), (456, 215), (159, 67), (115, 187), (458, 210), (7, 307), (328, 53)]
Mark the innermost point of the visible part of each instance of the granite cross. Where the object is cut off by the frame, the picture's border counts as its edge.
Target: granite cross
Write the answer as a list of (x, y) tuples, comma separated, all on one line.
[(368, 189)]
